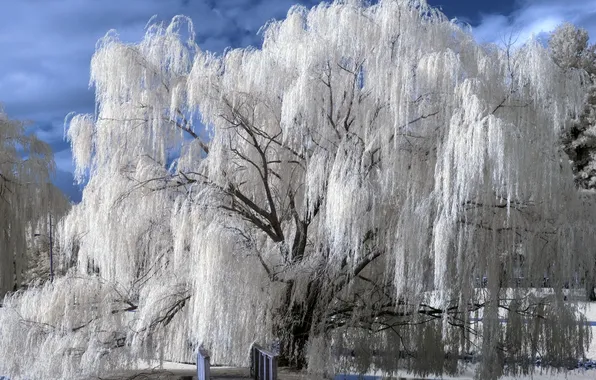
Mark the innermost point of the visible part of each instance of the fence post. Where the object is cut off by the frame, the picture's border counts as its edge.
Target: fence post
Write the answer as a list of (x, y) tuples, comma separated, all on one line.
[(203, 365), (274, 367), (263, 364)]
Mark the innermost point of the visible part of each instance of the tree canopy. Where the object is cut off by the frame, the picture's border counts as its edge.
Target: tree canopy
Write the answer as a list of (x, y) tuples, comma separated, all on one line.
[(370, 181), (570, 50)]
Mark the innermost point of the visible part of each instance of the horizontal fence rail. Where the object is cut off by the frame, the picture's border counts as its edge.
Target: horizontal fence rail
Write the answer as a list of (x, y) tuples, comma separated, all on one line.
[(263, 363), (203, 365)]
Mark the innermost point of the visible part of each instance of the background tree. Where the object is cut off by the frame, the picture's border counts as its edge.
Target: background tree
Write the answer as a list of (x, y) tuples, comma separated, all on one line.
[(26, 197), (357, 178), (44, 257), (570, 50)]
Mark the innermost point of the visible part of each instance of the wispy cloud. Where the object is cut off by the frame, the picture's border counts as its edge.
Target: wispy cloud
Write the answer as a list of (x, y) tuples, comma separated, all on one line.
[(536, 18)]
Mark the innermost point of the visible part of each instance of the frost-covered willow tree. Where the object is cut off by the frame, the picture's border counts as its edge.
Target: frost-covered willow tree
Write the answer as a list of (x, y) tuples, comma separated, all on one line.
[(362, 189), (26, 198)]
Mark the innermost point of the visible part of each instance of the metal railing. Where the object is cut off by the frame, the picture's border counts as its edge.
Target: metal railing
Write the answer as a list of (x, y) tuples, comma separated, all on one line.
[(203, 366), (263, 363)]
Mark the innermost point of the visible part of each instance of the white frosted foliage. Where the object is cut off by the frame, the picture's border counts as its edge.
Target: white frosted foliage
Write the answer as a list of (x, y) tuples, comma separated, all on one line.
[(80, 134)]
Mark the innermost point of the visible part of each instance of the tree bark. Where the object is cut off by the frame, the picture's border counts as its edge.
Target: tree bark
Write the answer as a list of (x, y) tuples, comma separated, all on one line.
[(297, 325)]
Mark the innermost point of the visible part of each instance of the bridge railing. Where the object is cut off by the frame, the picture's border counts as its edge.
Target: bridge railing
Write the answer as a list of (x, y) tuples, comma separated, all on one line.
[(263, 364), (203, 365)]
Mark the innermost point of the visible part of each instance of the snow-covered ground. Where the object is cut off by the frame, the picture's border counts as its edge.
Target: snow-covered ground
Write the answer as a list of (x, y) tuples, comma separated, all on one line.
[(176, 371)]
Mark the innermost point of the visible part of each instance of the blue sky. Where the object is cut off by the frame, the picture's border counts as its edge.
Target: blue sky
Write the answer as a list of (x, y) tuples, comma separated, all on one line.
[(46, 45)]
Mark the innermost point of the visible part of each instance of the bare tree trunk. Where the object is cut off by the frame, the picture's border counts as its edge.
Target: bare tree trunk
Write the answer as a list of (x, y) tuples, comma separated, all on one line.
[(296, 326)]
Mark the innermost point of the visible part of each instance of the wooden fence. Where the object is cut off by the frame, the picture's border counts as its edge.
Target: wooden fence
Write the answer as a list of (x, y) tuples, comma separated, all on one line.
[(263, 364)]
